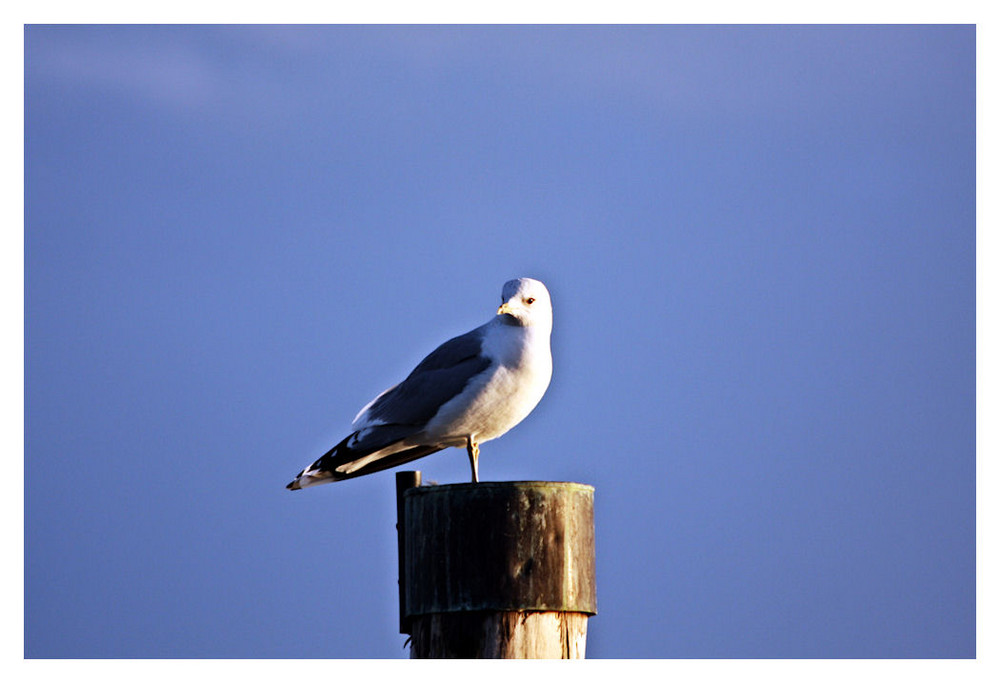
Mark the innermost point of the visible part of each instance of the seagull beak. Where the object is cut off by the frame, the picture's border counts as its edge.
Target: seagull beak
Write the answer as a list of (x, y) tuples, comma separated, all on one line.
[(505, 308)]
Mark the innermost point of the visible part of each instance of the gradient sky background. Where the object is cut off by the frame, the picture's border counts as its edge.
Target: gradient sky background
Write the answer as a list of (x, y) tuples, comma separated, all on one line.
[(760, 244)]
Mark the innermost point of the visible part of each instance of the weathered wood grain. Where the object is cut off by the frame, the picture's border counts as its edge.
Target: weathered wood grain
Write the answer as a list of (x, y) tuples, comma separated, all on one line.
[(498, 569), (500, 635)]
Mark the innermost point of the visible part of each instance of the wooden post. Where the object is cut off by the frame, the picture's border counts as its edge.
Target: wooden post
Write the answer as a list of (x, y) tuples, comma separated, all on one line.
[(498, 569)]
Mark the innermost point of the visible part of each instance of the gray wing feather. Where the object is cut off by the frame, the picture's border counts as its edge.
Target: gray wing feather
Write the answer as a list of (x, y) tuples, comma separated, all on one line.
[(438, 378)]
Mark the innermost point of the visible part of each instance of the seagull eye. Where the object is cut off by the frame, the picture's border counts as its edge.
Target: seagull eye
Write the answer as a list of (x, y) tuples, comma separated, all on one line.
[(530, 300)]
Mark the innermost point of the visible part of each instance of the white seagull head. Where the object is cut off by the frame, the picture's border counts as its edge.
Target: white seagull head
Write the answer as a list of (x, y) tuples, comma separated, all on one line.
[(526, 303)]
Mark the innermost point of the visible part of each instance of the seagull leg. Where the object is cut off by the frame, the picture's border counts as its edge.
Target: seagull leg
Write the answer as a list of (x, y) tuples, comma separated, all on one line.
[(473, 448)]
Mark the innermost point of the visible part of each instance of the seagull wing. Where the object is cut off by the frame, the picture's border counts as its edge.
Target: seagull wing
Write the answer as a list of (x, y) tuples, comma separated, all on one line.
[(400, 412)]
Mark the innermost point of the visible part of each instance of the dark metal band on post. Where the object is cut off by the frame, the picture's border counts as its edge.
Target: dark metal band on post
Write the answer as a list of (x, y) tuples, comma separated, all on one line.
[(404, 481)]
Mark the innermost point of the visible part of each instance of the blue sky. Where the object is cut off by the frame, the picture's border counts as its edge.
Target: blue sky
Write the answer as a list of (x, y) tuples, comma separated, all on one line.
[(760, 243)]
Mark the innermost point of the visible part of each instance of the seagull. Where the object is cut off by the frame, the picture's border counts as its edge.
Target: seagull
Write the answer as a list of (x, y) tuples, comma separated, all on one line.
[(470, 390)]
